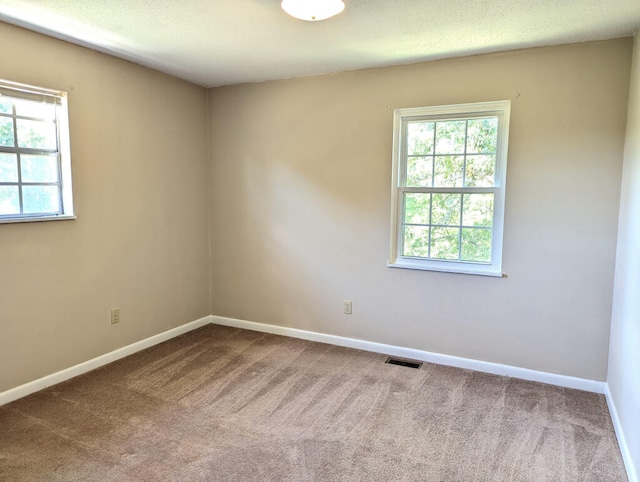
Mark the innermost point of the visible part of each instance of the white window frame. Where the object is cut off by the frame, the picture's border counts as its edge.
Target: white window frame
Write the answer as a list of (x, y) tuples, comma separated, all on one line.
[(63, 150), (500, 109)]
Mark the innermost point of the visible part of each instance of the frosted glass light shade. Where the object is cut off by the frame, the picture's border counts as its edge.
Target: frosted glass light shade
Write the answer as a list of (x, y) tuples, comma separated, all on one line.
[(312, 10)]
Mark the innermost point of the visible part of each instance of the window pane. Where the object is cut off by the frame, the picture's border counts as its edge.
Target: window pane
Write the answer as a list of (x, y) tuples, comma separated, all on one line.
[(416, 241), (450, 136), (8, 167), (416, 208), (36, 134), (6, 131), (9, 200), (448, 171), (39, 168), (40, 199), (420, 137), (477, 210), (480, 171), (445, 209), (419, 171), (29, 108), (476, 245), (5, 105), (444, 243), (482, 135)]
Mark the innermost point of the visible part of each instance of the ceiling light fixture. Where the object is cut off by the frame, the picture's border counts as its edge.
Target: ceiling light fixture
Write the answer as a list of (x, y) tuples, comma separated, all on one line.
[(312, 10)]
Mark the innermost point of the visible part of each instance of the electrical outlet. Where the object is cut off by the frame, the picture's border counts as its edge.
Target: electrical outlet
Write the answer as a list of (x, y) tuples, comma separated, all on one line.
[(347, 307), (115, 316)]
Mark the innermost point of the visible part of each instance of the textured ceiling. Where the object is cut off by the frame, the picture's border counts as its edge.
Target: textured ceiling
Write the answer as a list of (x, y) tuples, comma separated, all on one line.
[(219, 42)]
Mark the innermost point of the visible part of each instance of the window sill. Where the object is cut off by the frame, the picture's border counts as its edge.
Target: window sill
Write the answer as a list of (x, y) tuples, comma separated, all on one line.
[(480, 271), (62, 217)]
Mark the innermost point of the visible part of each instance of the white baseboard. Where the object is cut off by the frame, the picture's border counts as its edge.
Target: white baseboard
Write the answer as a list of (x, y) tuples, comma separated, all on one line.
[(487, 367), (74, 371), (421, 355), (477, 365), (632, 474)]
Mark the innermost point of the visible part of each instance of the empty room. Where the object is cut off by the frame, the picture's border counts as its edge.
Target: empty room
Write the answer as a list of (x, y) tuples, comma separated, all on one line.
[(320, 240)]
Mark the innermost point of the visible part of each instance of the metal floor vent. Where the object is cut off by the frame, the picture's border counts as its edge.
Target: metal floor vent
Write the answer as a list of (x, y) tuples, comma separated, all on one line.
[(403, 363)]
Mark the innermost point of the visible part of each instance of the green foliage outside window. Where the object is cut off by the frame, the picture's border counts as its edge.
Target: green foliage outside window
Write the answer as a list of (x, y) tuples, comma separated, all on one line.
[(449, 154), (33, 160)]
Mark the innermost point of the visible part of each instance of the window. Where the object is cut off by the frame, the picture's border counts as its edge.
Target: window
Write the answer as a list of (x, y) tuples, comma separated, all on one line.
[(35, 165), (448, 183)]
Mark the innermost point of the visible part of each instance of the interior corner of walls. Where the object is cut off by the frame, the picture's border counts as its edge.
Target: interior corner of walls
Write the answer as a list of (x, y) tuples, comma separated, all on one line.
[(209, 194)]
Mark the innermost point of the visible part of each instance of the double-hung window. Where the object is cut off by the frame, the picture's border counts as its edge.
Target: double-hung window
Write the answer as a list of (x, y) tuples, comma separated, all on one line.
[(448, 187), (35, 165)]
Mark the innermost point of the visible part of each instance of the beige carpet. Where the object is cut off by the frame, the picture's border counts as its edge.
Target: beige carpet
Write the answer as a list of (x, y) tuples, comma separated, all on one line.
[(226, 404)]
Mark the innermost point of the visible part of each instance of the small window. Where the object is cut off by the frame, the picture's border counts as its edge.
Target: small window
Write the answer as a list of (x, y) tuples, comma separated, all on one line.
[(448, 187), (35, 164)]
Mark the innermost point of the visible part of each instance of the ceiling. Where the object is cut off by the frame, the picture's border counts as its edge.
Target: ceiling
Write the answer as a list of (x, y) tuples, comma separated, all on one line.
[(221, 42)]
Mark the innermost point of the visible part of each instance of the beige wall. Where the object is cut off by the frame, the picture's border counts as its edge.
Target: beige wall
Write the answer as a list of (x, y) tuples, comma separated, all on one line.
[(300, 207), (624, 351), (297, 196), (139, 160)]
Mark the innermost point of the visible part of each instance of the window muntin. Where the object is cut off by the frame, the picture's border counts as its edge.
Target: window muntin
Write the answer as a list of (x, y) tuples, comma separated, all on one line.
[(35, 166), (449, 171)]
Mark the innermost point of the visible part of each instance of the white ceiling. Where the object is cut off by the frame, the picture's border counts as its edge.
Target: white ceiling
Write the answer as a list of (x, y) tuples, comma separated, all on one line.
[(220, 42)]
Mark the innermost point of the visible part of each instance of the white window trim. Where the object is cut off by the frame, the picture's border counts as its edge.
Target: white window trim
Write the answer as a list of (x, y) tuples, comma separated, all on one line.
[(501, 109), (64, 149)]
